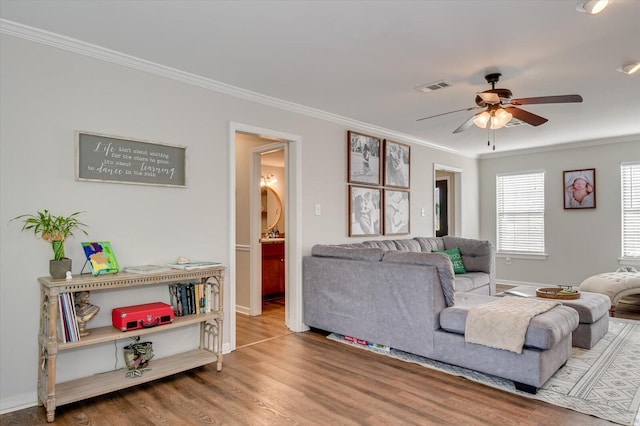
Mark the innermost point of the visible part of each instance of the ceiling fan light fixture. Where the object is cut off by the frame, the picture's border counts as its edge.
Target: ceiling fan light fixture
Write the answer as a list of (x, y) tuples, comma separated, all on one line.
[(629, 68), (500, 118), (592, 7), (482, 119)]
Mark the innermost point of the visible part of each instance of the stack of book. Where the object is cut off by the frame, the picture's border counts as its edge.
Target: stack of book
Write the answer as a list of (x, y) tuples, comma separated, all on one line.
[(190, 299), (193, 265), (67, 322)]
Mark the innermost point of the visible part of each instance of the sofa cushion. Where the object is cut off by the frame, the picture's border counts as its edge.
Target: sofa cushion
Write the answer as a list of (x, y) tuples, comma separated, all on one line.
[(387, 245), (371, 254), (408, 245), (470, 281), (456, 259), (544, 332), (439, 260), (476, 254), (428, 244)]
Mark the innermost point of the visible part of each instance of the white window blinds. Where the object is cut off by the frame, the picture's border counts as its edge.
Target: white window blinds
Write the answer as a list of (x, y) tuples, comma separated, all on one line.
[(520, 212), (630, 210)]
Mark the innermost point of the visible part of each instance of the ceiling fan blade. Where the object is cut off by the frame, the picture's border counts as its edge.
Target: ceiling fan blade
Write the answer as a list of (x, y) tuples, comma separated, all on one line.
[(450, 112), (560, 99), (489, 98), (464, 126), (526, 116)]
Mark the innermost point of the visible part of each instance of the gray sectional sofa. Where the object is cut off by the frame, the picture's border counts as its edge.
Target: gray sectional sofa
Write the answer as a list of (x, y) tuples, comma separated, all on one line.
[(400, 294)]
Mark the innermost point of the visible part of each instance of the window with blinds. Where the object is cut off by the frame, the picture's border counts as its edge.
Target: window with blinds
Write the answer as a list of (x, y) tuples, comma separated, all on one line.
[(630, 174), (520, 213)]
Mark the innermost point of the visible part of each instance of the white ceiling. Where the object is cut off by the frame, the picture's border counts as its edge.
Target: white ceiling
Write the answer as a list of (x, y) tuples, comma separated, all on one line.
[(362, 59)]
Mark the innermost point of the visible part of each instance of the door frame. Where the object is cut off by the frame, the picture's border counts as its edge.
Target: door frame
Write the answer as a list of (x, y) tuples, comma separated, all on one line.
[(457, 200), (293, 247)]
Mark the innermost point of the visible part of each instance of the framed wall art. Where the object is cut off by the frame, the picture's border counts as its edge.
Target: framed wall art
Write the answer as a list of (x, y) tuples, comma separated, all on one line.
[(397, 161), (363, 158), (364, 211), (396, 212), (579, 189)]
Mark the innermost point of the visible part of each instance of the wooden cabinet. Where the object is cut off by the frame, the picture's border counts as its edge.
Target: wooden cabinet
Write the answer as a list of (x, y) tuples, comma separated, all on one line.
[(273, 267), (52, 394)]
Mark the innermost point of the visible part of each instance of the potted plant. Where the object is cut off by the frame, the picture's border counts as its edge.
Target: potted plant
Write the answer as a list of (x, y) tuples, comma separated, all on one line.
[(54, 229), (137, 356)]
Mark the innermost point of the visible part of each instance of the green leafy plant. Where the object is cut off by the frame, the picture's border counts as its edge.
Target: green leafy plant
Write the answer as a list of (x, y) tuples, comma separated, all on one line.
[(137, 356), (53, 229)]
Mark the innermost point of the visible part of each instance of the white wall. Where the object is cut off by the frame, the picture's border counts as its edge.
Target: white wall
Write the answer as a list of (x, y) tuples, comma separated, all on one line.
[(49, 93), (579, 243)]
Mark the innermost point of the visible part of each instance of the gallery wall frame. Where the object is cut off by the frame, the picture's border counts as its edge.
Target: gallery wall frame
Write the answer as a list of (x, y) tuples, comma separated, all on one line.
[(365, 211), (396, 212), (363, 159), (397, 164), (579, 189)]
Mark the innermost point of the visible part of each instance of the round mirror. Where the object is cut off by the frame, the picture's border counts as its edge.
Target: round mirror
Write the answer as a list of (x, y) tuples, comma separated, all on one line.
[(271, 208)]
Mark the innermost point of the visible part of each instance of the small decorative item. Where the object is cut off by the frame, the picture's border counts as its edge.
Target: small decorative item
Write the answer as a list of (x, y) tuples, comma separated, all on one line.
[(560, 292), (101, 258), (396, 212), (364, 211), (579, 189), (363, 158), (397, 161), (54, 229), (85, 311), (137, 356)]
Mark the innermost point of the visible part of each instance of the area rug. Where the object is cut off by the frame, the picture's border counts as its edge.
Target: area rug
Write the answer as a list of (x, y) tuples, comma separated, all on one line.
[(603, 382)]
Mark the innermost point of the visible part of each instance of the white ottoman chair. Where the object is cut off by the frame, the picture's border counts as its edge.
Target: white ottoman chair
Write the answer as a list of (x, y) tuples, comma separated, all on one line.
[(616, 285)]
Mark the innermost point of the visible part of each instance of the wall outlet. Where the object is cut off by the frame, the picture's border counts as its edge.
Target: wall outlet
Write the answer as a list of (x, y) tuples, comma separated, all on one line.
[(507, 260), (422, 212), (318, 210)]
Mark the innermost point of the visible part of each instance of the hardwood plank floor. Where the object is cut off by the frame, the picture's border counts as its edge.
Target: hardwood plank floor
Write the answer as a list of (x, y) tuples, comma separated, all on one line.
[(306, 379), (254, 329)]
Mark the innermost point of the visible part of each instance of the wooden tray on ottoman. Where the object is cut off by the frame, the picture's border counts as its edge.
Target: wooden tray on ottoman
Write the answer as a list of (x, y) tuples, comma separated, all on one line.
[(557, 293)]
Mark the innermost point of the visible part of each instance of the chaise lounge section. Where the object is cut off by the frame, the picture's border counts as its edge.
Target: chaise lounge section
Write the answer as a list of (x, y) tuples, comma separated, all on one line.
[(408, 300)]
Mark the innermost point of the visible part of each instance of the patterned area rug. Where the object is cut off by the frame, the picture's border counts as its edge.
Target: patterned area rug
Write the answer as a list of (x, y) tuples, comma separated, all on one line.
[(603, 382)]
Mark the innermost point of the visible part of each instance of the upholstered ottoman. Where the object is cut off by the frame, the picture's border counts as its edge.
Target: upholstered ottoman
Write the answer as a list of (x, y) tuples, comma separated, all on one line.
[(615, 285), (592, 311)]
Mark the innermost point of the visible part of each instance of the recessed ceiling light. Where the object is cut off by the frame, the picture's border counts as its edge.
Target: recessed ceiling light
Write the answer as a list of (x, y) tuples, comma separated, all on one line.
[(630, 68), (592, 7)]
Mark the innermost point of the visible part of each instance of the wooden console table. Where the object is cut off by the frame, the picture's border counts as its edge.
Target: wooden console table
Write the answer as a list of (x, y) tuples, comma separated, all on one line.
[(52, 394)]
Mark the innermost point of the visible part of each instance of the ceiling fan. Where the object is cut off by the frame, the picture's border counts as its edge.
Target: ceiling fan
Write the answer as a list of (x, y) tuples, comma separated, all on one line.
[(501, 108)]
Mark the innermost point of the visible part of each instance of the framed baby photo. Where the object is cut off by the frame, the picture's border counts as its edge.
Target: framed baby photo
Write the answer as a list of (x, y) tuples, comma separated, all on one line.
[(363, 158), (397, 160), (364, 211), (396, 212), (579, 189)]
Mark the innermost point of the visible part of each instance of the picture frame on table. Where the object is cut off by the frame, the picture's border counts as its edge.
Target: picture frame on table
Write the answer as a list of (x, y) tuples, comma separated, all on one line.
[(396, 212), (363, 158), (397, 164), (579, 189), (365, 211)]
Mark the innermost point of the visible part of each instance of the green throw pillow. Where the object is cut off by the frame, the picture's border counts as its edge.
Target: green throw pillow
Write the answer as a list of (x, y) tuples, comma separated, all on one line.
[(456, 259)]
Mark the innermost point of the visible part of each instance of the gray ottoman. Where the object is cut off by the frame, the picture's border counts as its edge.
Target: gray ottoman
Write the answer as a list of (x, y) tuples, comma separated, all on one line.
[(593, 313)]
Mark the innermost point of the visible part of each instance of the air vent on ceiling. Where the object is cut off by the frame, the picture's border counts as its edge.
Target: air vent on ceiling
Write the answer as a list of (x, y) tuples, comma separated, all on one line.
[(426, 88)]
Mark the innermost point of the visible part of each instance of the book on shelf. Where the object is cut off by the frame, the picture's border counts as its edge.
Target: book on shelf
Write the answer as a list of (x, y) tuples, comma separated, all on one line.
[(190, 298), (146, 269), (193, 265)]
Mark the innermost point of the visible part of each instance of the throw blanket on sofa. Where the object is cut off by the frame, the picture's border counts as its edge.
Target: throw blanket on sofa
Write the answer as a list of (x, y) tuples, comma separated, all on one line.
[(503, 323)]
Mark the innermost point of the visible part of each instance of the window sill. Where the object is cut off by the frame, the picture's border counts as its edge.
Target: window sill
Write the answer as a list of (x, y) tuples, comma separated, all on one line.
[(629, 261), (520, 255)]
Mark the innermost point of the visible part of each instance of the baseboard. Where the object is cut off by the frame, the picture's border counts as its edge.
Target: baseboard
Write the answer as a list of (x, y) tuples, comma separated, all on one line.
[(244, 310), (525, 283), (18, 402)]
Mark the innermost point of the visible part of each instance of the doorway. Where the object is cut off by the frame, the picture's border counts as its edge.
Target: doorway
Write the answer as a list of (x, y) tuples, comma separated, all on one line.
[(247, 143), (446, 202)]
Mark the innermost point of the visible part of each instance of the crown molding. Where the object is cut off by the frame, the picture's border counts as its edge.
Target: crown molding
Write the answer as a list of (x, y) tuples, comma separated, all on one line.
[(91, 50), (563, 146)]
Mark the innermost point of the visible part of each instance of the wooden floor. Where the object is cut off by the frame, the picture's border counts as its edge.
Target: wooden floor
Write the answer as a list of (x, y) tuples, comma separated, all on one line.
[(252, 330), (305, 379)]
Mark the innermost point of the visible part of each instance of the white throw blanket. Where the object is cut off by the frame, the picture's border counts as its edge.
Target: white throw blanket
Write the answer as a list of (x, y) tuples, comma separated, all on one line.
[(503, 322)]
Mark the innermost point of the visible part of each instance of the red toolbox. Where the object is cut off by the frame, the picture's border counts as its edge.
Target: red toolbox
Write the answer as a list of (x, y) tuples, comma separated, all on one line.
[(141, 316)]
